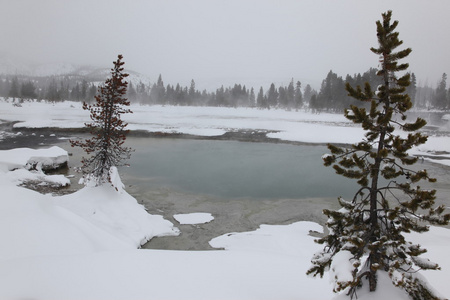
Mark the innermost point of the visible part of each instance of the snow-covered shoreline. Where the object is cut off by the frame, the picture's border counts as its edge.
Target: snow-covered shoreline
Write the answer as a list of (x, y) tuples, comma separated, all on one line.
[(289, 126), (84, 245)]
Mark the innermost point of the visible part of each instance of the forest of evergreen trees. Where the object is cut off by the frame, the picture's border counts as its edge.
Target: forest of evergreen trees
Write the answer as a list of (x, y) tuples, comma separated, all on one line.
[(331, 97)]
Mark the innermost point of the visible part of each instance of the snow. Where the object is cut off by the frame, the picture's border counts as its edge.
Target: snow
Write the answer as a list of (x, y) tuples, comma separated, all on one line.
[(203, 121), (389, 291), (42, 158), (25, 164), (193, 218), (341, 268), (298, 126), (277, 239), (84, 245), (20, 176)]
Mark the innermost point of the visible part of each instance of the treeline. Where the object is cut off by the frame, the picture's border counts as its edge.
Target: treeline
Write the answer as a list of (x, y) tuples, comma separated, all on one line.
[(289, 96), (331, 97), (54, 88)]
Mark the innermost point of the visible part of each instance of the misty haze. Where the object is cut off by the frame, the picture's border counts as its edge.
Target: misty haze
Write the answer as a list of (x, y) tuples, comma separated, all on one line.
[(176, 150)]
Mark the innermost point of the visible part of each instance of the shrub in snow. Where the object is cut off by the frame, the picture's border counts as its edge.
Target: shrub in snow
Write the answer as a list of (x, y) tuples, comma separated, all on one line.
[(107, 129), (367, 235)]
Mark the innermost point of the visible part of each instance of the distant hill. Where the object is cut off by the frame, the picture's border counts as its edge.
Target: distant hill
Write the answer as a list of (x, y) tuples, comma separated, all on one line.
[(14, 66)]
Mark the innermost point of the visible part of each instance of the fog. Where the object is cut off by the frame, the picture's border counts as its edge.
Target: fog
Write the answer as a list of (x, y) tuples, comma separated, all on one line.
[(253, 42)]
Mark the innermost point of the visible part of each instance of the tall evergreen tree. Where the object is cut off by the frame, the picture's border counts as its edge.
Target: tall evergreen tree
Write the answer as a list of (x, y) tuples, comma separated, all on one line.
[(14, 89), (192, 93), (332, 93), (252, 98), (63, 90), (368, 231), (28, 90), (84, 89), (440, 96), (75, 92), (290, 95), (411, 90), (272, 96), (92, 91), (313, 103), (308, 92), (158, 92), (298, 97), (131, 92), (107, 129), (261, 100), (52, 91), (282, 97)]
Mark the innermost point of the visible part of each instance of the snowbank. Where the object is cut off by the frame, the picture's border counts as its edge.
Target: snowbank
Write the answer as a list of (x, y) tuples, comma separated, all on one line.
[(117, 214), (193, 218), (83, 246), (90, 220), (25, 164), (50, 158)]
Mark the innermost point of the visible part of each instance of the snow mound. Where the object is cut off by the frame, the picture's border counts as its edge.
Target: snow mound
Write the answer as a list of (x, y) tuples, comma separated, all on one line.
[(41, 159), (32, 225), (20, 176), (193, 218), (282, 239), (119, 214), (89, 220)]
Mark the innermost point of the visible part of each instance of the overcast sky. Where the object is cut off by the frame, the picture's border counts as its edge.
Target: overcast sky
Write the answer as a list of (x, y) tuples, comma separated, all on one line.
[(253, 42)]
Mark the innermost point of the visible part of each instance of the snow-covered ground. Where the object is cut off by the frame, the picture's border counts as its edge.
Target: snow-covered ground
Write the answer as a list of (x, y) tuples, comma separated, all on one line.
[(297, 126), (84, 245)]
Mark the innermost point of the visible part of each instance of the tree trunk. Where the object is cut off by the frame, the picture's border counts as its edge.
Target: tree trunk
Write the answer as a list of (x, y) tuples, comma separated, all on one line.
[(374, 256)]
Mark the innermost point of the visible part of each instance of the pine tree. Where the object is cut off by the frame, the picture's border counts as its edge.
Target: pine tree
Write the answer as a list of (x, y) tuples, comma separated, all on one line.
[(308, 92), (28, 90), (252, 98), (261, 100), (272, 96), (298, 97), (313, 105), (14, 89), (84, 89), (107, 128), (192, 93), (440, 96), (282, 97), (411, 90), (290, 91), (131, 92), (52, 91), (368, 231)]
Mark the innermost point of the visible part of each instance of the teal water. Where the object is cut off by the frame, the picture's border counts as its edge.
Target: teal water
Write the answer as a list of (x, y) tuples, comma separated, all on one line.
[(232, 169)]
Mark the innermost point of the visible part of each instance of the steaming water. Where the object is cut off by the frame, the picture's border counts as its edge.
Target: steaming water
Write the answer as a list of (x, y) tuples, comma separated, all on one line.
[(233, 169), (242, 184)]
